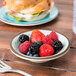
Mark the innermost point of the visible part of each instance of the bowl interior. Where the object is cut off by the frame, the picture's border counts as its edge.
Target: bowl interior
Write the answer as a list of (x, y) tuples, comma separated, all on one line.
[(15, 45)]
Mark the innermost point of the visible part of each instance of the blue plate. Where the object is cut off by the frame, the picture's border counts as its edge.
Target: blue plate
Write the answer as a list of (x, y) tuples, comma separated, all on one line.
[(3, 17)]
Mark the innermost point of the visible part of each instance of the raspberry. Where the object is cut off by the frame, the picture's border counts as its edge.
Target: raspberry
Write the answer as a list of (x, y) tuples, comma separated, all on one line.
[(36, 35), (46, 50), (24, 47), (53, 36), (47, 40), (23, 38)]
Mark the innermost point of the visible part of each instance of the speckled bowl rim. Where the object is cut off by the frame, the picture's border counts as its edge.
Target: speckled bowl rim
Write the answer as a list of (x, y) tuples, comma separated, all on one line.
[(20, 55)]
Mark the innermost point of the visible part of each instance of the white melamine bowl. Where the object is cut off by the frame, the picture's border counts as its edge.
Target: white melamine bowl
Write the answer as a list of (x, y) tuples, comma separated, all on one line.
[(14, 46)]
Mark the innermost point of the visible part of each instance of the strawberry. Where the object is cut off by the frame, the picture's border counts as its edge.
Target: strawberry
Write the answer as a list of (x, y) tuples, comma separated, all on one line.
[(47, 40), (53, 36), (24, 47), (36, 35), (46, 50)]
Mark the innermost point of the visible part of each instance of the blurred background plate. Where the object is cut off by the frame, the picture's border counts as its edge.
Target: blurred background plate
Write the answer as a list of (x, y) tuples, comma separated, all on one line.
[(3, 17)]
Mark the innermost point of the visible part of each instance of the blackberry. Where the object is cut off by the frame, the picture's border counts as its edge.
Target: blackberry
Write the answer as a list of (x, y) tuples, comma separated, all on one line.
[(57, 45), (23, 38), (39, 43), (55, 52), (34, 48)]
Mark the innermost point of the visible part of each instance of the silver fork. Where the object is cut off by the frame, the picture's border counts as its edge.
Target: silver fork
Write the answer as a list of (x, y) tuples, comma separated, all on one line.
[(5, 68)]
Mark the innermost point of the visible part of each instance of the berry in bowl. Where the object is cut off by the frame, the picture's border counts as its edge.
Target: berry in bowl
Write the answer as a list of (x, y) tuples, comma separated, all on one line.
[(39, 46)]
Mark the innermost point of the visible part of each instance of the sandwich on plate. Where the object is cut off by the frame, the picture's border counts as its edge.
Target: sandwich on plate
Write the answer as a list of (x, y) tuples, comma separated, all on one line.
[(28, 10)]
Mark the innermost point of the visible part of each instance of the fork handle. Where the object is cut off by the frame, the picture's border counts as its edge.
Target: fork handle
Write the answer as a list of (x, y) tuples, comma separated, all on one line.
[(19, 71)]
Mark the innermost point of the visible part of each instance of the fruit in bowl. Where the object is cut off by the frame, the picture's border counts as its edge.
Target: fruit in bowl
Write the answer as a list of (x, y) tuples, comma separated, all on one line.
[(39, 45)]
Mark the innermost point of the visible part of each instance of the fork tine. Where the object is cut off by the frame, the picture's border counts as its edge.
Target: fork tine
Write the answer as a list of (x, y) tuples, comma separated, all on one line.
[(1, 66), (3, 63)]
